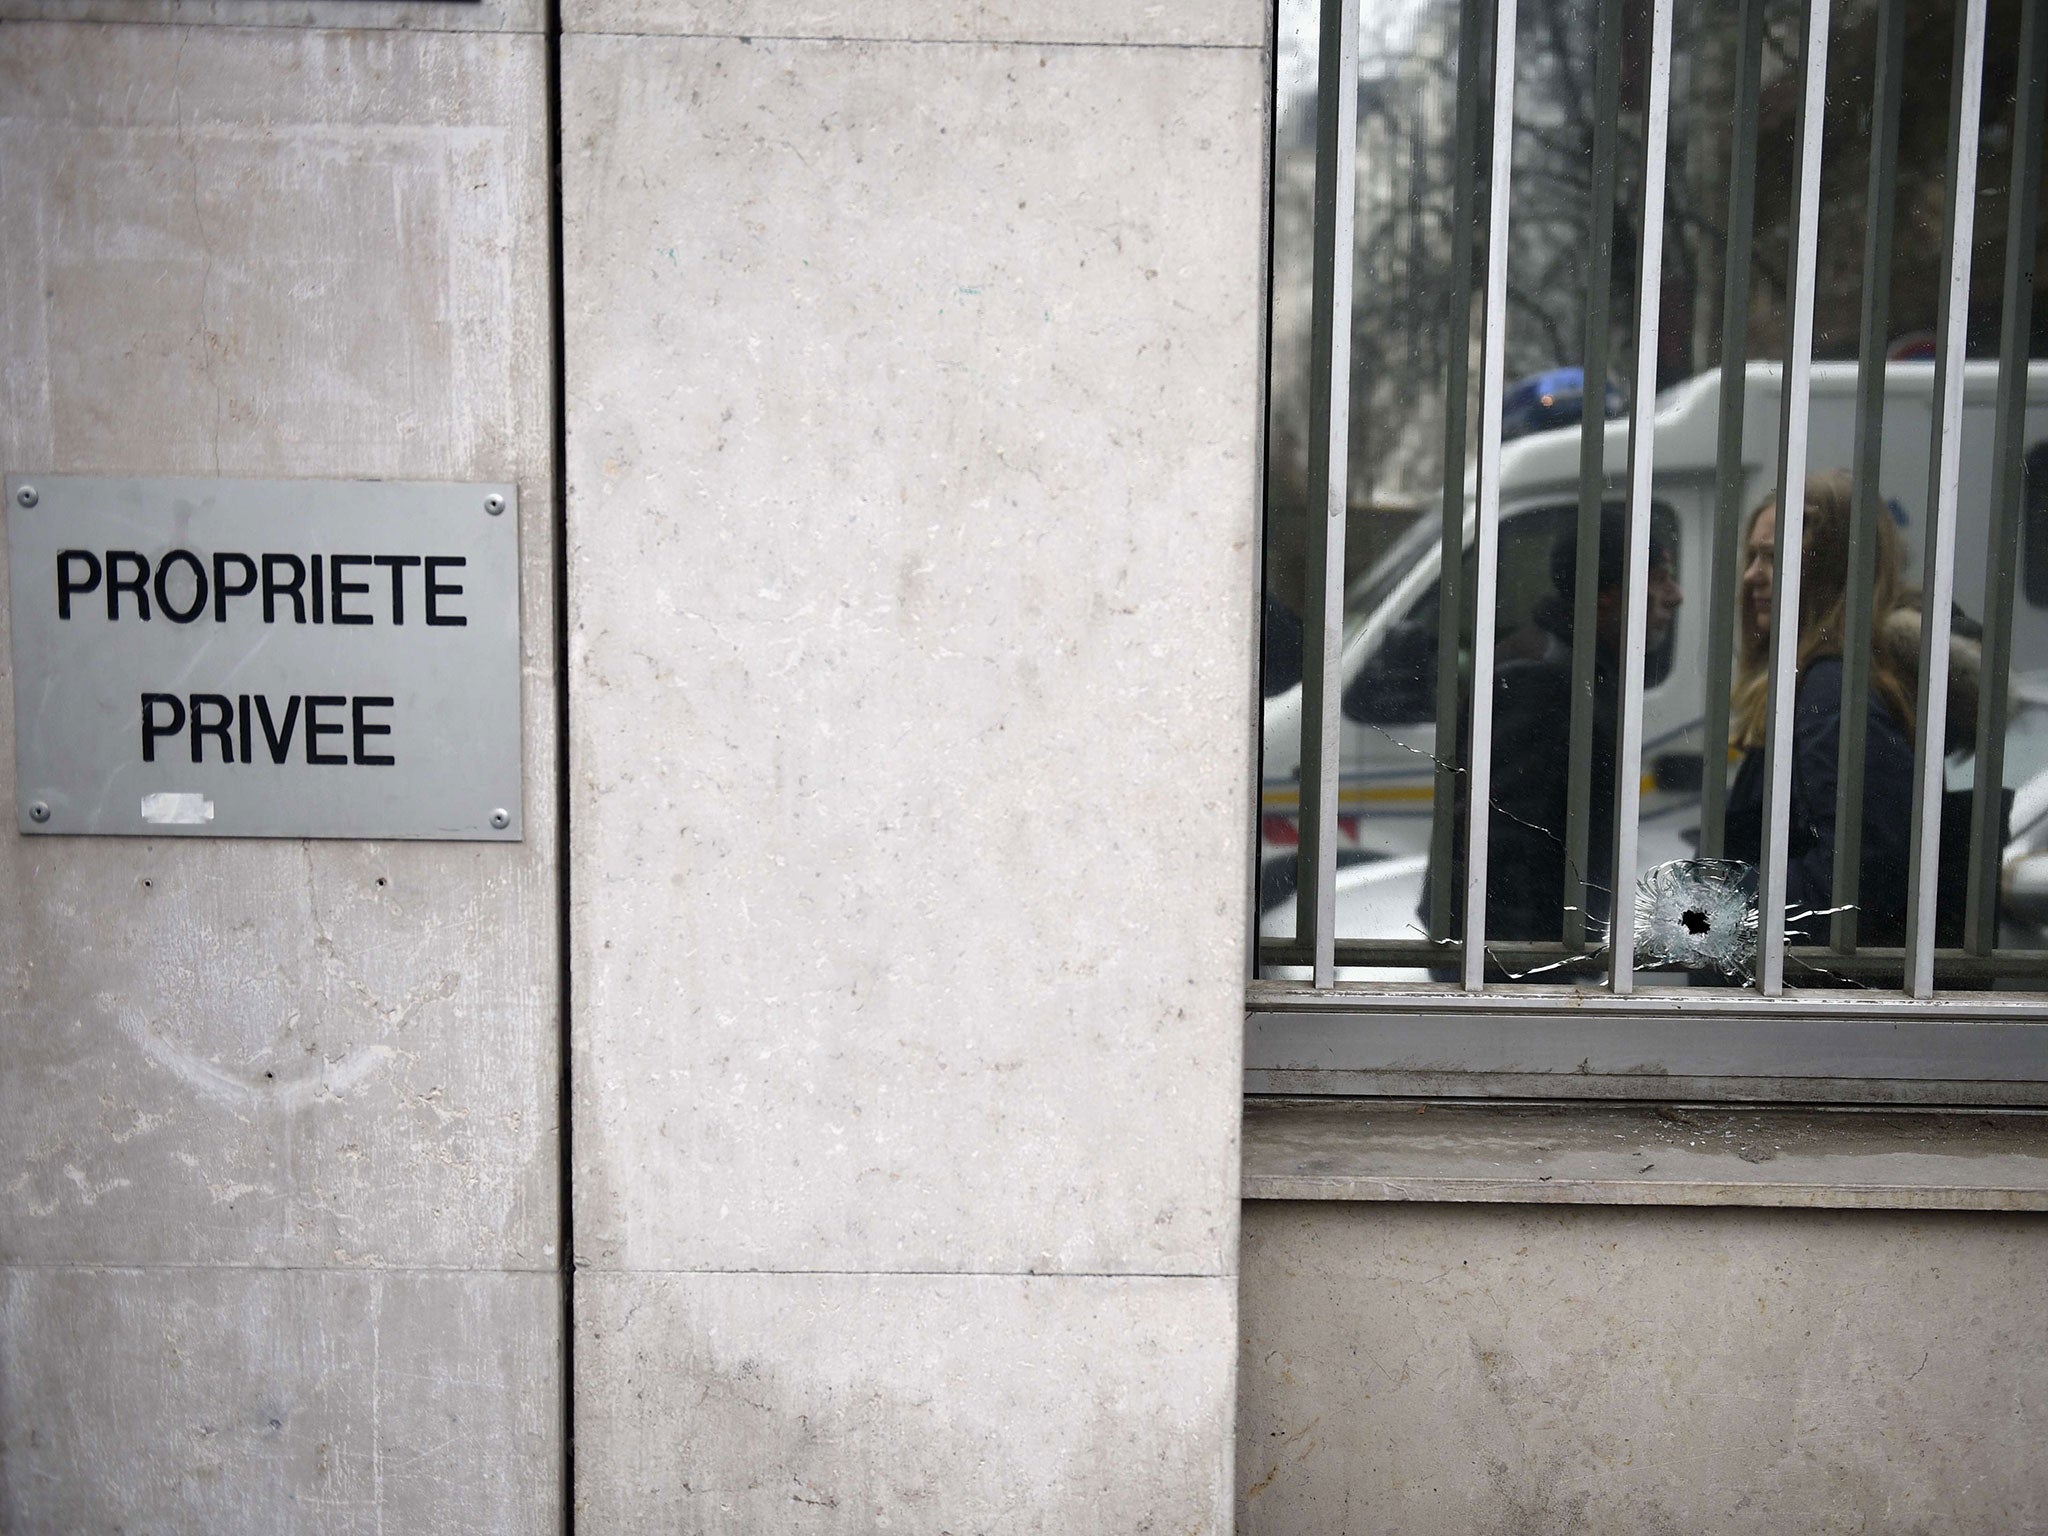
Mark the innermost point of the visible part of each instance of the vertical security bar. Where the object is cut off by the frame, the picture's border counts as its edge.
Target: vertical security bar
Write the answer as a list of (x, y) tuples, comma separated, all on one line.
[(1938, 567), (2001, 562), (1443, 834), (1642, 438), (1592, 467), (1729, 489), (1791, 519), (1484, 582), (1867, 503), (1418, 261), (1329, 479)]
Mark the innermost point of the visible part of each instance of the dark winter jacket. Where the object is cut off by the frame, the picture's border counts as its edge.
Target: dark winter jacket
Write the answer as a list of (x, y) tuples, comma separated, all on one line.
[(1525, 837), (1887, 797), (1887, 809)]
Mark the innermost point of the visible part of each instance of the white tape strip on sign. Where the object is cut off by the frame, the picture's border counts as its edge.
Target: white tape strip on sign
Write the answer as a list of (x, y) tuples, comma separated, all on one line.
[(176, 808)]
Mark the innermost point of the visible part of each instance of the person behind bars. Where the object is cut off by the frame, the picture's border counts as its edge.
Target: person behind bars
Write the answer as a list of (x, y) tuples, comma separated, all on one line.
[(1527, 864), (1894, 642)]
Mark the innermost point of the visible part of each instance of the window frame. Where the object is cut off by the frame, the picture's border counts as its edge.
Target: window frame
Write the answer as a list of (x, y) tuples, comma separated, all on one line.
[(1919, 1046)]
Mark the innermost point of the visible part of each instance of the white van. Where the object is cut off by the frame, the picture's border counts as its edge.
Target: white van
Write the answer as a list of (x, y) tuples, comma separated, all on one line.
[(1387, 785)]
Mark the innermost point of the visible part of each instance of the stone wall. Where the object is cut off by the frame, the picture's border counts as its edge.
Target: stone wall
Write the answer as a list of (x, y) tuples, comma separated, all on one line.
[(279, 1166), (1476, 1368), (913, 368)]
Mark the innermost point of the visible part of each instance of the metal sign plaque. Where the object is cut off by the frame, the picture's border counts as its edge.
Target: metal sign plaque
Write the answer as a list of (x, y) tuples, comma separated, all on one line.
[(265, 658)]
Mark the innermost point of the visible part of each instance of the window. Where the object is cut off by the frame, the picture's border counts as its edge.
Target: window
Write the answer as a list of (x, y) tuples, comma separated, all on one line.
[(1691, 346)]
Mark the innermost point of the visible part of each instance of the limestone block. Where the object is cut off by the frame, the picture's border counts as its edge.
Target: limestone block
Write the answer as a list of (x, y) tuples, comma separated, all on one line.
[(912, 516), (814, 1404), (272, 253), (268, 1403), (1437, 1369), (398, 15), (1203, 23), (280, 253)]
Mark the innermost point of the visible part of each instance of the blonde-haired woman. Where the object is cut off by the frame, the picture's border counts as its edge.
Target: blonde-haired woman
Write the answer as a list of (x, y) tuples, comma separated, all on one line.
[(1817, 713)]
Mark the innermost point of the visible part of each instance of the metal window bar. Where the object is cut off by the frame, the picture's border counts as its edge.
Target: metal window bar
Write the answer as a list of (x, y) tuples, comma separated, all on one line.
[(1729, 489), (1938, 568), (1480, 771), (1418, 260), (1867, 504), (1592, 465), (1329, 483), (1878, 966), (2001, 566), (1642, 436), (1791, 511), (1451, 597)]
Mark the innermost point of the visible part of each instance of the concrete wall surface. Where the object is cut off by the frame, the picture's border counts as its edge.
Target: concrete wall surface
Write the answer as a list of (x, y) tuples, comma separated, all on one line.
[(913, 387), (1468, 1369), (279, 1167)]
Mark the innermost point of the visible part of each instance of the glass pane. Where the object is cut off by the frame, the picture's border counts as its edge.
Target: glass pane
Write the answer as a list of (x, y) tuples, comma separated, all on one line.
[(1400, 356), (1902, 343), (1414, 343)]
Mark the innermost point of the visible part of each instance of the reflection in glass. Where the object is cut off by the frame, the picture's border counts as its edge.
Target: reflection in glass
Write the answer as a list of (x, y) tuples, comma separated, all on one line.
[(1891, 644), (1411, 344), (1531, 883)]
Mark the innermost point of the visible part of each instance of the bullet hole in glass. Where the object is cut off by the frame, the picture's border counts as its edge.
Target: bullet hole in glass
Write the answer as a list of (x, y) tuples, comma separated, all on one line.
[(1699, 914)]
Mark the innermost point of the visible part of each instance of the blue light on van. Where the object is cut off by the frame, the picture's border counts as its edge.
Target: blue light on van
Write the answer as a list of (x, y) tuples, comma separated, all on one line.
[(1555, 397)]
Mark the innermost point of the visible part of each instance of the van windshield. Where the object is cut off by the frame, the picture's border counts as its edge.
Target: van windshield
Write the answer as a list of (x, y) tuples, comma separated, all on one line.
[(1372, 589), (1397, 683)]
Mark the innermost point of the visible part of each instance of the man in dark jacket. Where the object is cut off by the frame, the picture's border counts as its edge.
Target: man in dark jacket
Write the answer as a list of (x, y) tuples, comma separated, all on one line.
[(1532, 704)]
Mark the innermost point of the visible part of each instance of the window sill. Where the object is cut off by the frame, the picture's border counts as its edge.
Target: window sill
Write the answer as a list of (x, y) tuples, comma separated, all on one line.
[(1632, 1154)]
